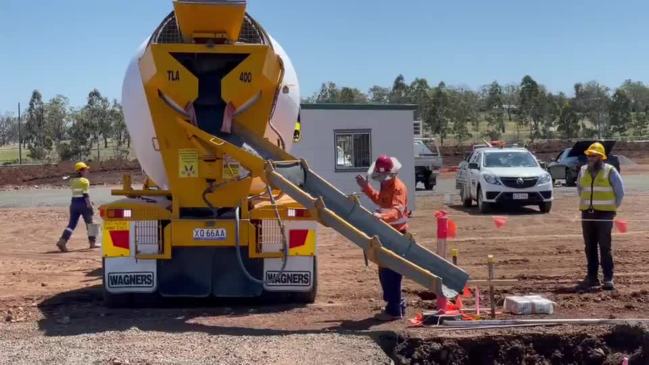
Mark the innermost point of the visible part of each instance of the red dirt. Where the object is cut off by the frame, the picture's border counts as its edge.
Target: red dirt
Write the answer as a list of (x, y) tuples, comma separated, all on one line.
[(544, 252), (106, 172), (548, 150)]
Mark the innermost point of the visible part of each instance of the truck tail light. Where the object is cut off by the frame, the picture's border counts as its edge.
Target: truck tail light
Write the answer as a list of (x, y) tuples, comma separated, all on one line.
[(298, 213), (119, 213)]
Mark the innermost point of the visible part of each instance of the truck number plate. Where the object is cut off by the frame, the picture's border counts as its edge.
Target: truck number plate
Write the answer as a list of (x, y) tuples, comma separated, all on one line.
[(520, 196), (210, 234)]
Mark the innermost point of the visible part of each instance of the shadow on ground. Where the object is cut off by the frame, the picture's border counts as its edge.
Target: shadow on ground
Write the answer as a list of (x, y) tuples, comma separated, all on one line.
[(498, 209), (82, 311)]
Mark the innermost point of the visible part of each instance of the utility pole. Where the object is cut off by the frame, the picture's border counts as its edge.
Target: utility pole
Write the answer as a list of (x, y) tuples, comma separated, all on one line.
[(20, 148)]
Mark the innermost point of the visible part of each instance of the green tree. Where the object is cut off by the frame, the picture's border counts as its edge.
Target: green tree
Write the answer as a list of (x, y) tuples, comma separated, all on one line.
[(638, 94), (80, 133), (379, 94), (419, 94), (529, 96), (463, 111), (591, 103), (439, 114), (619, 113), (641, 125), (97, 116), (568, 124), (39, 142), (56, 118), (511, 100), (494, 109), (329, 93), (350, 95), (399, 91), (119, 134), (8, 129)]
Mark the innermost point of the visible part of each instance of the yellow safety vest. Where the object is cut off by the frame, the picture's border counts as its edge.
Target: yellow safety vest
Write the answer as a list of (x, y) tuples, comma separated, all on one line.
[(598, 193), (79, 186)]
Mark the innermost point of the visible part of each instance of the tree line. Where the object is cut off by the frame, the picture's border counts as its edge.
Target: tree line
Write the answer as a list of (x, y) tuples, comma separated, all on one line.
[(53, 129), (594, 111)]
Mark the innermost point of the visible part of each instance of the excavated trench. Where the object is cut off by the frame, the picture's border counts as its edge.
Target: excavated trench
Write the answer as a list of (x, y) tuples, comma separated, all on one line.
[(561, 347)]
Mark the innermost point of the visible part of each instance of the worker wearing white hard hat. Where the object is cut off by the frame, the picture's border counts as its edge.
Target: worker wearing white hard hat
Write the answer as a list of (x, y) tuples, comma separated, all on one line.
[(80, 206), (392, 200)]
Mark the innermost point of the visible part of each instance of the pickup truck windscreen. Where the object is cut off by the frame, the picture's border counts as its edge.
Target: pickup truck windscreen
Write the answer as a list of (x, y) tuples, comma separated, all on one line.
[(422, 150), (509, 159)]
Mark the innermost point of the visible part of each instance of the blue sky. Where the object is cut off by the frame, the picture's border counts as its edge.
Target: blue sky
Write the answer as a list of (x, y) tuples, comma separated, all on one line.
[(72, 46)]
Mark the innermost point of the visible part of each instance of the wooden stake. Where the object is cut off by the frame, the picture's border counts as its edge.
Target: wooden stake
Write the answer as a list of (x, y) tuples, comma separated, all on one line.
[(490, 263), (454, 254)]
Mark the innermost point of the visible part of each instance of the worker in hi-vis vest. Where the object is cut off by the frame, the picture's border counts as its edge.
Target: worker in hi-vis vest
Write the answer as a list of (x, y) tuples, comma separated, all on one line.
[(80, 206), (392, 200), (601, 191)]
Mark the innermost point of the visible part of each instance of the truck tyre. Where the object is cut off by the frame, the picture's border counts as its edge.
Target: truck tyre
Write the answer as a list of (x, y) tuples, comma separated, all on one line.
[(308, 297), (482, 206), (429, 185), (571, 178), (545, 207)]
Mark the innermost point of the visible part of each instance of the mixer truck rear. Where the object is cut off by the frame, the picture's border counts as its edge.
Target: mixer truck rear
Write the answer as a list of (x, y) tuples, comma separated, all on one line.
[(211, 102)]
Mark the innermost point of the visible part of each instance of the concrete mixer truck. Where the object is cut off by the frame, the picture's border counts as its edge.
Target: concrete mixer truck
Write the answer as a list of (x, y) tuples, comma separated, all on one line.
[(211, 102)]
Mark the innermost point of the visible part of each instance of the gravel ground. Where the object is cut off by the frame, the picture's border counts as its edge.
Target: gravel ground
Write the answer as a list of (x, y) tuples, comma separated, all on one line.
[(20, 345)]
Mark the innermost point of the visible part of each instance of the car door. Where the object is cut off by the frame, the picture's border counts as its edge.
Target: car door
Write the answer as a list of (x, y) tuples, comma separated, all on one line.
[(474, 175), (462, 172)]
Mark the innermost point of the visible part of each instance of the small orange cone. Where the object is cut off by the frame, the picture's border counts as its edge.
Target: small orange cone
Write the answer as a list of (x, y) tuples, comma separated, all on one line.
[(500, 222), (621, 225), (452, 229)]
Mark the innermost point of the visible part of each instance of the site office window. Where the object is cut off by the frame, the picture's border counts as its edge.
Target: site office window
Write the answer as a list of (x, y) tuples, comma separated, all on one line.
[(353, 149)]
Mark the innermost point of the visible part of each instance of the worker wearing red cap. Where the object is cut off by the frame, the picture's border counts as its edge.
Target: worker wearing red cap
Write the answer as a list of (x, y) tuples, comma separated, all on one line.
[(392, 200), (80, 206)]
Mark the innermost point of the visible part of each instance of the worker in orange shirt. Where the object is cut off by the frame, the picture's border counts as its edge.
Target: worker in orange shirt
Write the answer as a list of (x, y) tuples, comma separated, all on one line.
[(392, 200)]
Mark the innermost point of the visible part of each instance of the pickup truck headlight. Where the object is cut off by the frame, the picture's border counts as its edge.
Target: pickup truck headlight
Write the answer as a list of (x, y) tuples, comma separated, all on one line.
[(545, 179), (491, 179)]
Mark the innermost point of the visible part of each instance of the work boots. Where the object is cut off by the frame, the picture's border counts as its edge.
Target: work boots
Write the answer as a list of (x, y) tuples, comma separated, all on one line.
[(588, 284), (608, 285), (61, 244), (93, 242)]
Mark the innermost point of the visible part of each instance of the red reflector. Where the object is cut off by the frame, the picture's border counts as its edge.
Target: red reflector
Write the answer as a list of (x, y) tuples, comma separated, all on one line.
[(119, 213), (120, 239), (102, 212), (301, 213), (297, 237)]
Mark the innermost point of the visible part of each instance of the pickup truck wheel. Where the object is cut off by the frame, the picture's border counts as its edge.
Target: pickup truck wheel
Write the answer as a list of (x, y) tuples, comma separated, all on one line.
[(467, 202), (571, 178), (545, 207), (482, 206)]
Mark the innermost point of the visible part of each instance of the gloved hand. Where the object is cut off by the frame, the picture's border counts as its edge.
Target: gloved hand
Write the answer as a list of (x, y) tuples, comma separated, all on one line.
[(361, 181), (377, 215)]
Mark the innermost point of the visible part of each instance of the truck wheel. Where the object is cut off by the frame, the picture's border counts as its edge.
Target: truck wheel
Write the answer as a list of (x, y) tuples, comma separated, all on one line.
[(545, 207), (467, 202), (429, 185), (571, 178), (308, 297), (482, 206)]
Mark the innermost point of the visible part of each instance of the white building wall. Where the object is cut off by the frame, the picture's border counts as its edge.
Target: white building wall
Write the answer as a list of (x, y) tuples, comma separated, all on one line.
[(391, 134)]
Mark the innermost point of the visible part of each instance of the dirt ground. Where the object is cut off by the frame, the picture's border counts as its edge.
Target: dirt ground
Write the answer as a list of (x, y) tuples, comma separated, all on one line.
[(51, 309)]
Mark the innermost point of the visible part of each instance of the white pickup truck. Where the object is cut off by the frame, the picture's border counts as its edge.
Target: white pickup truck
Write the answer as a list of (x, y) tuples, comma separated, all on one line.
[(506, 176), (428, 160)]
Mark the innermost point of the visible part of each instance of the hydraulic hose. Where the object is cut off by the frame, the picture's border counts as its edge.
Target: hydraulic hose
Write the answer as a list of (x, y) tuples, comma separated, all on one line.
[(282, 229)]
